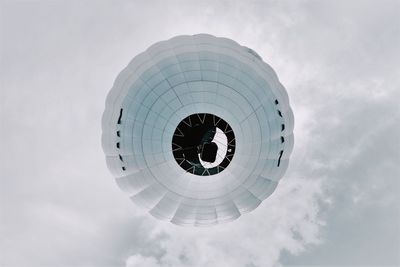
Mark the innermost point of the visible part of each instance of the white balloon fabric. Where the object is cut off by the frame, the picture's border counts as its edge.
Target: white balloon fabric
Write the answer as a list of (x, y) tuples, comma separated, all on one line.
[(189, 75)]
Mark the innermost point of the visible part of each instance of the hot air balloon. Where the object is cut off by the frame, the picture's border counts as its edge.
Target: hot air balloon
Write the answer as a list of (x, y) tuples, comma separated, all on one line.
[(197, 130)]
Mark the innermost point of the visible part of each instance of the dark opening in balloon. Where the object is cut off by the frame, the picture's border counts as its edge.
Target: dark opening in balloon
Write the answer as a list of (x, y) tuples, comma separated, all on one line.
[(196, 145)]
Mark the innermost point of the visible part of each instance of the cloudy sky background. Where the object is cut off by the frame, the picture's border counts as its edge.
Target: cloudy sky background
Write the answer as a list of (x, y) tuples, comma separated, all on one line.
[(338, 204)]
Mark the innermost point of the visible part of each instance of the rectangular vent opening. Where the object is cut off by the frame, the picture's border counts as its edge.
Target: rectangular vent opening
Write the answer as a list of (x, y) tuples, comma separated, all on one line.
[(280, 156), (120, 116)]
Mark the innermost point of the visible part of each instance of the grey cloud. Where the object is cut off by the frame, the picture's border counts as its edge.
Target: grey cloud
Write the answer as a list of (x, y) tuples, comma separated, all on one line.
[(338, 203)]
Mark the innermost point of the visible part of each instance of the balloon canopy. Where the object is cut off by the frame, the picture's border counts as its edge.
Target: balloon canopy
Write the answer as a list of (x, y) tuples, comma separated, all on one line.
[(197, 130)]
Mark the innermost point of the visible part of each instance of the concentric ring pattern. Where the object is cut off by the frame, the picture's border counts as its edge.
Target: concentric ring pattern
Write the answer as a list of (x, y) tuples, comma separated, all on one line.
[(172, 80)]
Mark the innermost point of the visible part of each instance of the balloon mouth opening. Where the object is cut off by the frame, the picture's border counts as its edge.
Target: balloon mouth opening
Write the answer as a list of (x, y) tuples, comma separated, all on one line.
[(203, 144)]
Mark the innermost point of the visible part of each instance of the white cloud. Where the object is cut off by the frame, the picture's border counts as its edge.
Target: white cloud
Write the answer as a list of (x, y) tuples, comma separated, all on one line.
[(138, 260), (339, 62), (288, 220)]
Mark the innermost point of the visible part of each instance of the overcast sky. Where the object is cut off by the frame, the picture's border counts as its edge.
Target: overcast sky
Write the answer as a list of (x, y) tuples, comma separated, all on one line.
[(337, 205)]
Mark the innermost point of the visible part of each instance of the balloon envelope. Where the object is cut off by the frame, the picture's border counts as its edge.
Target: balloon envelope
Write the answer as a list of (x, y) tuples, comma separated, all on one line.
[(197, 130)]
